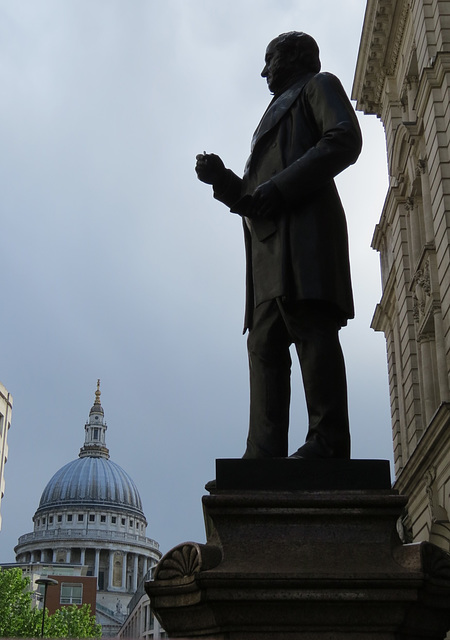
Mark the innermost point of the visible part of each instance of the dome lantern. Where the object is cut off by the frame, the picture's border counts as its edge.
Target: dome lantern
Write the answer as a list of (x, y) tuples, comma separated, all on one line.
[(95, 431)]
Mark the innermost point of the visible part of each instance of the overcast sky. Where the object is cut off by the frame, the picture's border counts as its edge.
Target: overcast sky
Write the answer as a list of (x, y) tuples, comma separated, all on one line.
[(116, 262)]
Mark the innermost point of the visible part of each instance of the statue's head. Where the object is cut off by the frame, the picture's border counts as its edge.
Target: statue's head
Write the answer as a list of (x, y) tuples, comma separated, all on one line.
[(288, 56)]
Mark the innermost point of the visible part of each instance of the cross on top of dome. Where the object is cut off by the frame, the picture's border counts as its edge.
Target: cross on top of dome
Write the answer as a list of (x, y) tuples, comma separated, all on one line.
[(97, 407)]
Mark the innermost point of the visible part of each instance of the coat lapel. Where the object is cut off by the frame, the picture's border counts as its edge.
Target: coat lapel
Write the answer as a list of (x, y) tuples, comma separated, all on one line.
[(278, 108)]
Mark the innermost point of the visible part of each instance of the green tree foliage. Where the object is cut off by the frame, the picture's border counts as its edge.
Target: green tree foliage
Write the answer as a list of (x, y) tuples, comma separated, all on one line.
[(18, 617), (72, 622)]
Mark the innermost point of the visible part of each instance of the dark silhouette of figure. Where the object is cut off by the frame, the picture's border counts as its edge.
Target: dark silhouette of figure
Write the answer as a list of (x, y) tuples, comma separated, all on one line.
[(298, 276)]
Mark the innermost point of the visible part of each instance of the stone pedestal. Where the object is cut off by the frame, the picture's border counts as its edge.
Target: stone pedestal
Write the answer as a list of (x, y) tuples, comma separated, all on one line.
[(302, 562)]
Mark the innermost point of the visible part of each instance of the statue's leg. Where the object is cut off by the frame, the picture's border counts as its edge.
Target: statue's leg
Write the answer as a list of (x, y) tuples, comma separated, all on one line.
[(315, 333), (270, 373)]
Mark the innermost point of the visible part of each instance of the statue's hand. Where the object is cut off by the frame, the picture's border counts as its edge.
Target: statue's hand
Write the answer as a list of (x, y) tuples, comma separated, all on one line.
[(267, 201), (210, 168)]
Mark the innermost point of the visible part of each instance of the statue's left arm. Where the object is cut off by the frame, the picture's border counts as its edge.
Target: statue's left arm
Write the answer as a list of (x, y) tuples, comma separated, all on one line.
[(333, 121)]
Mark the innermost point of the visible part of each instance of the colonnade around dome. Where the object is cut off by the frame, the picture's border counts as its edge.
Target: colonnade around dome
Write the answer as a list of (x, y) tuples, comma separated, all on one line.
[(115, 570)]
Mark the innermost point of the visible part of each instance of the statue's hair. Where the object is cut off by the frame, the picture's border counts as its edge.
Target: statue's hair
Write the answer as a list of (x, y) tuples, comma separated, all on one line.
[(303, 44)]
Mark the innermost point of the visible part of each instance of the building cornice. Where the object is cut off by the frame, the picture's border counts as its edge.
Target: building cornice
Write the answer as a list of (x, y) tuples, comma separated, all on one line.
[(381, 38)]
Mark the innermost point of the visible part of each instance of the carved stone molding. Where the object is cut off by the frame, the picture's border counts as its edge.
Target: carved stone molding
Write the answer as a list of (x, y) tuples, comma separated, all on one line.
[(409, 203), (438, 513), (186, 560), (410, 81), (421, 166), (407, 98), (382, 39), (429, 478), (398, 38), (404, 527), (421, 286)]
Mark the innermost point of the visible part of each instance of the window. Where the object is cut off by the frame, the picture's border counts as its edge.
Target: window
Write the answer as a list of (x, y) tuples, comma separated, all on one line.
[(95, 434), (69, 517), (151, 621), (80, 517), (59, 518), (123, 521), (50, 519), (71, 593), (113, 519), (43, 520), (92, 517), (102, 518), (131, 523)]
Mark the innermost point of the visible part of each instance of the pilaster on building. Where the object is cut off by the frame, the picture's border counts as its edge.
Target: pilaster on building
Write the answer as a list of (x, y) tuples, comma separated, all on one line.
[(6, 404), (403, 78)]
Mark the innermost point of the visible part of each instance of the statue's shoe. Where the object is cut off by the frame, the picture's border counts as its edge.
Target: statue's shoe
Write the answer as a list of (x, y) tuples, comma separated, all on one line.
[(313, 449)]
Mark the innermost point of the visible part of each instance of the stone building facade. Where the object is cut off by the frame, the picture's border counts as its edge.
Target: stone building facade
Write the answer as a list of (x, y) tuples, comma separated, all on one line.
[(6, 403), (403, 77), (90, 518), (141, 622)]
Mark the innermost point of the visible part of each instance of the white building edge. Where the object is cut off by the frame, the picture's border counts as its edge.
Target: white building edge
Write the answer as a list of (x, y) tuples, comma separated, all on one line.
[(6, 403)]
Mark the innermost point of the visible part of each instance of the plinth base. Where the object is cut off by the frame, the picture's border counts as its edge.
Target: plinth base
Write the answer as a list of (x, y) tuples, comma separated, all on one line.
[(307, 564), (287, 474)]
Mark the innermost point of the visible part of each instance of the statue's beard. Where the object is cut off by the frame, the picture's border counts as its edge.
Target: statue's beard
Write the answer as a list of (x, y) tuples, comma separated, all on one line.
[(282, 77)]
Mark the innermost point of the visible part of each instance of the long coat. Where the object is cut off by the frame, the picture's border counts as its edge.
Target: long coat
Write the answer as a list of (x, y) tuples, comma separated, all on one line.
[(306, 137)]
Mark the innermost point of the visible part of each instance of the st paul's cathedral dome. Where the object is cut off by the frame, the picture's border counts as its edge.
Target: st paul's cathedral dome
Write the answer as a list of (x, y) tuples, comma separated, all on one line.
[(90, 519)]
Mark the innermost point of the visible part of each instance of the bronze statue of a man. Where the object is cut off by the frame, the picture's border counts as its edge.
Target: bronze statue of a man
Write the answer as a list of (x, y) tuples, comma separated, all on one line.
[(298, 276)]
